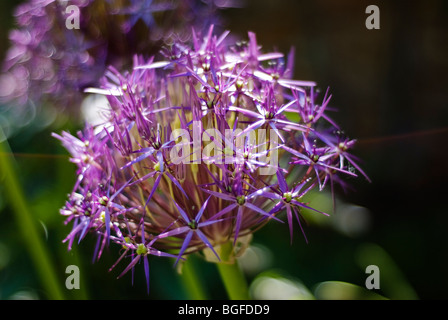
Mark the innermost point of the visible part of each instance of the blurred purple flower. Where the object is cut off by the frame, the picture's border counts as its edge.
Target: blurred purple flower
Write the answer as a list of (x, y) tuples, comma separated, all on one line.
[(48, 65)]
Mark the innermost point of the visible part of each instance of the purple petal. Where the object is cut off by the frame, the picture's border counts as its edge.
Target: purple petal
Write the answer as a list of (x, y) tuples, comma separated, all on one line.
[(289, 217), (174, 180), (239, 217), (279, 206), (146, 267), (184, 245), (84, 230), (246, 112), (255, 208), (155, 65), (220, 195), (262, 76), (174, 232), (209, 222), (107, 222), (154, 188), (272, 125), (207, 243), (270, 56), (131, 265), (182, 212), (282, 182), (296, 84), (225, 210), (286, 106), (149, 175), (292, 125), (158, 253), (297, 203), (253, 126), (222, 37), (357, 167), (300, 224), (121, 189), (199, 215), (265, 192), (295, 153), (138, 159)]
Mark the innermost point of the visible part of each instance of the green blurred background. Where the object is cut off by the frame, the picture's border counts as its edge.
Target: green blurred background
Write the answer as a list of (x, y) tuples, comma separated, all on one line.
[(390, 89)]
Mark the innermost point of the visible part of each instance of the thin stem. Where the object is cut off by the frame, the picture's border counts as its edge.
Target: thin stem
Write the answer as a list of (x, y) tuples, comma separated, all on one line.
[(232, 275), (192, 281), (27, 225)]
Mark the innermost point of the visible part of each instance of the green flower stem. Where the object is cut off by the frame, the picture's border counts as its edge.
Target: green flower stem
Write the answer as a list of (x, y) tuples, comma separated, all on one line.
[(232, 275), (192, 281), (26, 223), (65, 168)]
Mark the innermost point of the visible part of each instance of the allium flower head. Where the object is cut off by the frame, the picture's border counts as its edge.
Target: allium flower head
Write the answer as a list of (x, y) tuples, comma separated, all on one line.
[(187, 158)]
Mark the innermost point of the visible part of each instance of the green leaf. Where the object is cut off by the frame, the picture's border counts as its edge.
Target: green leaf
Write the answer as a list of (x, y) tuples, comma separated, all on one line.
[(393, 282), (273, 285), (338, 290)]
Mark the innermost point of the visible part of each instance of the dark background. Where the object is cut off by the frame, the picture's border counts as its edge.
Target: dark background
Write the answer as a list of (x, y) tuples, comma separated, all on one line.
[(390, 89)]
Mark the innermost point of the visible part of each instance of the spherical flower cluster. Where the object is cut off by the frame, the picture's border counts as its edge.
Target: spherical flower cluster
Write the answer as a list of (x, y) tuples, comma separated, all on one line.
[(199, 149)]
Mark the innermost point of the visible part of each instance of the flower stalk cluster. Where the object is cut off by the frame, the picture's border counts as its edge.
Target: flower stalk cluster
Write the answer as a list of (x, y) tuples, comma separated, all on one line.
[(198, 150)]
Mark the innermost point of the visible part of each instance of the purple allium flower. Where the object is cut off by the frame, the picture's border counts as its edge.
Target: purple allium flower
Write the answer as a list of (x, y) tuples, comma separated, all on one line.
[(187, 156), (50, 64)]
